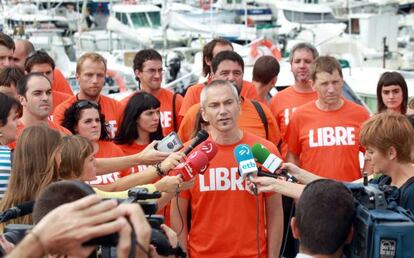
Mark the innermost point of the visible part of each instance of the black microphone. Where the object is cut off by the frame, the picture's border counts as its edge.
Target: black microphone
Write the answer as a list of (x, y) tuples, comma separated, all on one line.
[(17, 211), (201, 136)]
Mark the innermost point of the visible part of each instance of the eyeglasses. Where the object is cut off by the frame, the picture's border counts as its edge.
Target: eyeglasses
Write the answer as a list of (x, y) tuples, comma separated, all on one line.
[(153, 71), (84, 103)]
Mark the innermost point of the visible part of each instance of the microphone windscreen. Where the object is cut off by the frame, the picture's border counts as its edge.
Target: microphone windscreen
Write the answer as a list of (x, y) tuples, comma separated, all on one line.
[(26, 208), (244, 157), (209, 148), (260, 152), (197, 160)]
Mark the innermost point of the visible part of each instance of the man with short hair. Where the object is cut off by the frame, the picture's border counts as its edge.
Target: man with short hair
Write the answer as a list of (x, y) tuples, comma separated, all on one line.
[(229, 66), (149, 71), (24, 48), (327, 128), (6, 50), (91, 73), (323, 219), (219, 199), (41, 62), (265, 72), (35, 94), (284, 103), (210, 50)]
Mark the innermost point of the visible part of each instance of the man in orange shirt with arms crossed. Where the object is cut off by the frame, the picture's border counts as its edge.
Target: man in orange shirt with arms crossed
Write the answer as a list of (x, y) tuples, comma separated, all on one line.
[(223, 213), (322, 135), (284, 103)]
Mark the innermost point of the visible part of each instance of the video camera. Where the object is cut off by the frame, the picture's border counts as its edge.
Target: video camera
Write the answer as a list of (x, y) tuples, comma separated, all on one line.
[(14, 233), (382, 228)]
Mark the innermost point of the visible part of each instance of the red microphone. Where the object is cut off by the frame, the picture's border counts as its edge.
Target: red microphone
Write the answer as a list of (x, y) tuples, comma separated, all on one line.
[(194, 164), (209, 148)]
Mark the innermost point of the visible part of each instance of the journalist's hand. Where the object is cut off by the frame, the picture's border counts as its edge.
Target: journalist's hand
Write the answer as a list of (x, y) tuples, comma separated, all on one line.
[(168, 184), (133, 212), (64, 229), (263, 184), (151, 156), (172, 161)]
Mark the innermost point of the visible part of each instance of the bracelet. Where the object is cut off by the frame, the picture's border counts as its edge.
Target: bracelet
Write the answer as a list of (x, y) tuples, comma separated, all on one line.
[(160, 173), (36, 236)]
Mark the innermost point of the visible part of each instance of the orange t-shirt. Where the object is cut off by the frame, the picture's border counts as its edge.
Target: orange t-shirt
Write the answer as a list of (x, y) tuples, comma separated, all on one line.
[(58, 97), (111, 108), (249, 120), (223, 213), (108, 149), (327, 142), (60, 84), (53, 125), (166, 98), (132, 149), (192, 96), (283, 104)]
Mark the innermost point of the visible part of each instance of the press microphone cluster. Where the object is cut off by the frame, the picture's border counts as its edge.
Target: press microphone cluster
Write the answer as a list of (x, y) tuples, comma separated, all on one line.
[(197, 162), (17, 211), (201, 136)]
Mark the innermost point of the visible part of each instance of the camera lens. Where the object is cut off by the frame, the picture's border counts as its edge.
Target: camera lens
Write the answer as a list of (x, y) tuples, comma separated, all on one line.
[(170, 145)]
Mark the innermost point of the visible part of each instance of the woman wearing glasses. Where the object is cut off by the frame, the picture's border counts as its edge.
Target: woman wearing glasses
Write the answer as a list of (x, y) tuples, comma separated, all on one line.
[(84, 117), (140, 125)]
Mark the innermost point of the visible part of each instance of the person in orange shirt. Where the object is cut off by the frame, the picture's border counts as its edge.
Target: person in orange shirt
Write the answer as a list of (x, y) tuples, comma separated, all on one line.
[(41, 62), (265, 72), (35, 95), (284, 103), (322, 135), (140, 125), (84, 117), (210, 50), (228, 65), (23, 50), (90, 73), (220, 192), (149, 72)]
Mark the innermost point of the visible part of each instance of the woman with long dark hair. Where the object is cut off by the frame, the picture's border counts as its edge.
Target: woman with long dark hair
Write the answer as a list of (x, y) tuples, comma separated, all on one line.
[(140, 125), (392, 93)]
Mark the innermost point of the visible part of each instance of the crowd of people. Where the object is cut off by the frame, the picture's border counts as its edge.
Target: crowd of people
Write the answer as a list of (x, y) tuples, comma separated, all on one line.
[(48, 135)]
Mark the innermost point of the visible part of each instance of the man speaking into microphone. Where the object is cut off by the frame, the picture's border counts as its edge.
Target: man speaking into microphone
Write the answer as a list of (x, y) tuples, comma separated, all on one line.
[(224, 220)]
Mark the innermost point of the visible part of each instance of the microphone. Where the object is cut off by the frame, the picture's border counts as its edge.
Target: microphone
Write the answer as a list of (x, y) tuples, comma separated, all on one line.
[(17, 211), (247, 164), (209, 148), (271, 162), (201, 136), (196, 163)]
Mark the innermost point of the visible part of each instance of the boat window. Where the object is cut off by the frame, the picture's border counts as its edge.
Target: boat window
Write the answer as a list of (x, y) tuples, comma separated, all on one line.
[(309, 18), (146, 19), (122, 18)]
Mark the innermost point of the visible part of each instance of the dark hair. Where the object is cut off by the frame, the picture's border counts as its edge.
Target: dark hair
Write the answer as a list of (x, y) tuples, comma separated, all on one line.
[(57, 194), (10, 76), (137, 104), (388, 79), (265, 69), (199, 123), (6, 41), (224, 56), (73, 115), (208, 52), (326, 64), (7, 104), (38, 57), (303, 45), (144, 55), (324, 216), (22, 83)]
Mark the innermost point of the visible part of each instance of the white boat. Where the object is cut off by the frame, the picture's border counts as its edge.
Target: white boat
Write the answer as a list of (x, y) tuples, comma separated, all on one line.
[(143, 24)]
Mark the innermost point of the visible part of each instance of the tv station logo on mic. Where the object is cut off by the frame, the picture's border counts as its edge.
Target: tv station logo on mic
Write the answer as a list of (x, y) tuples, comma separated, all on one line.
[(247, 164)]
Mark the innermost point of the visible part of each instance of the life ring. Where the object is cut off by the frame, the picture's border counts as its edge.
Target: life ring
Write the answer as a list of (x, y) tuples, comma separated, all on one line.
[(205, 4), (119, 80), (266, 43)]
